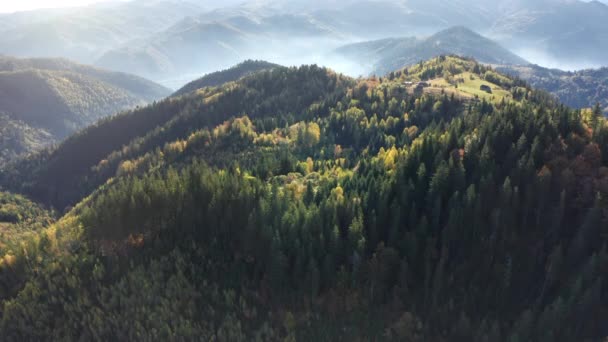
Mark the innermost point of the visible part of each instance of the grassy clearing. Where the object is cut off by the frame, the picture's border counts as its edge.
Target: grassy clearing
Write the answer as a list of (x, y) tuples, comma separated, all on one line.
[(469, 86), (465, 80)]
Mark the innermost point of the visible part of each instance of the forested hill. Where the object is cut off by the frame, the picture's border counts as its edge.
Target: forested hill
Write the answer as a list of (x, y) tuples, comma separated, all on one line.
[(299, 204), (44, 100), (218, 78)]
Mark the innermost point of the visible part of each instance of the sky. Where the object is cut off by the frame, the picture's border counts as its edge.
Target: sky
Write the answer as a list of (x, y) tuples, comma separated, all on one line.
[(8, 6)]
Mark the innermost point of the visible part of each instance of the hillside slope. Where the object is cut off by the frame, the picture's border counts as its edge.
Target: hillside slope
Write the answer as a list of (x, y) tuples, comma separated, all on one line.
[(45, 100), (387, 55), (300, 204)]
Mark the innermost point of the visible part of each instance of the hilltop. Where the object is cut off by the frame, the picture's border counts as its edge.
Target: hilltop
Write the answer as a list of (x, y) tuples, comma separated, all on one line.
[(301, 204), (218, 78), (43, 101)]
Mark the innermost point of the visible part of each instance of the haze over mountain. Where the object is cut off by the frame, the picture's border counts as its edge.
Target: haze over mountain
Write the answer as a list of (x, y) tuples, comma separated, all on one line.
[(556, 33), (386, 55), (196, 44), (44, 100), (175, 41), (84, 34)]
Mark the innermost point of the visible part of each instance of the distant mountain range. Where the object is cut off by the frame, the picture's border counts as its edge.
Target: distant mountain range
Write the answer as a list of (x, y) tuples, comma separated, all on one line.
[(578, 89), (383, 56), (44, 100), (84, 34), (204, 45), (168, 39)]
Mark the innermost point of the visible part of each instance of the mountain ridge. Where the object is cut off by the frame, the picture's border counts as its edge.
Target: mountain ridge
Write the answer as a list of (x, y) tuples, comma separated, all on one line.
[(539, 31)]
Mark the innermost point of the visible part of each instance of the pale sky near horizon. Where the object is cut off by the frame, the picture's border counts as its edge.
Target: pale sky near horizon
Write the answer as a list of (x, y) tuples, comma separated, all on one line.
[(8, 6)]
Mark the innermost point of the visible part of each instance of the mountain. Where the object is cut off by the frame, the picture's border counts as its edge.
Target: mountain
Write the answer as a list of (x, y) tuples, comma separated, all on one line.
[(387, 55), (376, 19), (556, 32), (209, 43), (269, 30), (85, 33), (580, 89), (553, 32), (44, 100), (368, 54), (229, 75), (300, 204)]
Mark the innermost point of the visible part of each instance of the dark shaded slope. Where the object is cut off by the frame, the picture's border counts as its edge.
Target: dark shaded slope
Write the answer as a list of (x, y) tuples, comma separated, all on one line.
[(229, 75)]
